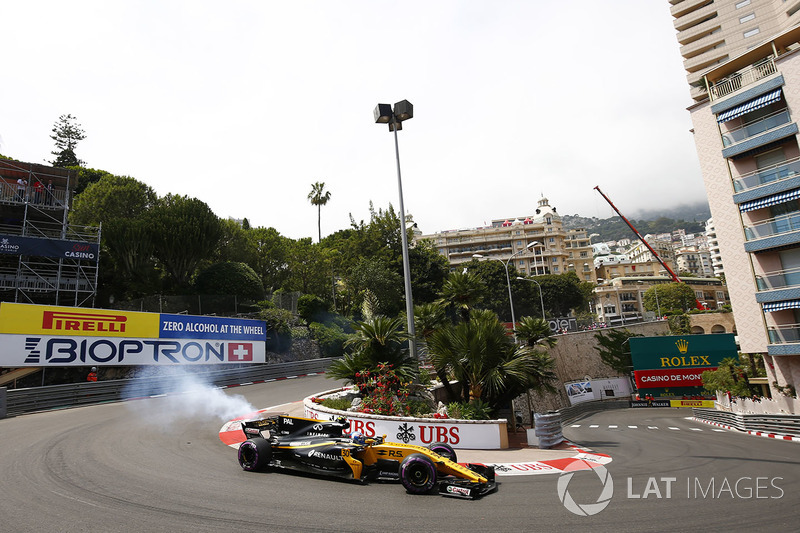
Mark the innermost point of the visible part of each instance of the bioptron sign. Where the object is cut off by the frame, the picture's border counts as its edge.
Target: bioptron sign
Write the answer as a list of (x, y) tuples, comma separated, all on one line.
[(39, 335), (678, 361)]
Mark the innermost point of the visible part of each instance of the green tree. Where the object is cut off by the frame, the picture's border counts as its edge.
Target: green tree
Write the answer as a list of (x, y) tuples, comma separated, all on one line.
[(112, 198), (308, 268), (462, 291), (319, 197), (376, 341), (672, 297), (185, 233), (375, 277), (493, 275), (535, 332), (271, 252), (235, 244), (429, 269), (67, 133), (730, 376), (128, 266), (486, 362), (229, 278), (615, 350)]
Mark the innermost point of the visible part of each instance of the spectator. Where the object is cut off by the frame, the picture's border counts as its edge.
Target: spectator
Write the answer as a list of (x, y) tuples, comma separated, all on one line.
[(49, 197), (22, 185), (38, 189)]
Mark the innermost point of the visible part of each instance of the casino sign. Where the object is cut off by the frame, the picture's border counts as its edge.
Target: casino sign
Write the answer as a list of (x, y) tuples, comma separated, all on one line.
[(673, 365)]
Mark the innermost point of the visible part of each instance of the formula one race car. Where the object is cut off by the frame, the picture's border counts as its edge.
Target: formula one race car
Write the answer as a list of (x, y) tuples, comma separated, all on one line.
[(321, 448)]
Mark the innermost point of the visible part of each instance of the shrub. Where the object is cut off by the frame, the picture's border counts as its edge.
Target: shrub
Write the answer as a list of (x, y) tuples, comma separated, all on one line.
[(341, 404), (382, 391)]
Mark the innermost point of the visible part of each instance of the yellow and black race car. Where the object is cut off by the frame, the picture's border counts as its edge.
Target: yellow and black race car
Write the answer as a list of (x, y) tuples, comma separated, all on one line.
[(322, 448)]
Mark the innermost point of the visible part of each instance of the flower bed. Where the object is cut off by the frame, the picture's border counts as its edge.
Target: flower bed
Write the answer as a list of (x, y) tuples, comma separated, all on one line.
[(463, 434)]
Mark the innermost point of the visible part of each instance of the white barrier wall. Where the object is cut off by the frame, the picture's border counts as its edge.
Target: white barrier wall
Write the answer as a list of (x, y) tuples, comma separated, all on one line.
[(463, 434)]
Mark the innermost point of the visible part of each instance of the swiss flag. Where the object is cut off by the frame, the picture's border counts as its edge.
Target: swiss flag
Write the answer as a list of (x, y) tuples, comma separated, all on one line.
[(240, 351)]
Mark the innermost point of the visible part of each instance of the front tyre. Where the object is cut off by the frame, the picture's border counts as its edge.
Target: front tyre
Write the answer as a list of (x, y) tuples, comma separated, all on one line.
[(445, 450), (255, 454), (418, 474)]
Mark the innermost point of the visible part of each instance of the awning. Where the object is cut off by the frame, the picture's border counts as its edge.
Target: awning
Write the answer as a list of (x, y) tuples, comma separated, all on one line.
[(752, 105), (767, 201), (779, 306)]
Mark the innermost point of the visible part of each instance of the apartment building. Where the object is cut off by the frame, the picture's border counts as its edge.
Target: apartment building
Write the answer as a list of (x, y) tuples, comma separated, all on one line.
[(695, 261), (662, 244), (711, 32), (619, 300), (746, 132), (713, 249), (535, 244)]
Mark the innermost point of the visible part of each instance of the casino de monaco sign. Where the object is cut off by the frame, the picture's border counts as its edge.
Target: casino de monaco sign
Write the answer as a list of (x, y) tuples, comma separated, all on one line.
[(41, 335)]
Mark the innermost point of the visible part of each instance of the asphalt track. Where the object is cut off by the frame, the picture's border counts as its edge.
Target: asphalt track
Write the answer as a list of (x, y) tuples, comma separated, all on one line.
[(129, 467)]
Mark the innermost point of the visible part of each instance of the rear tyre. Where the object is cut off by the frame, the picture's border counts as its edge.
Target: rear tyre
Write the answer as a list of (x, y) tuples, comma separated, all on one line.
[(418, 474), (255, 454), (445, 450)]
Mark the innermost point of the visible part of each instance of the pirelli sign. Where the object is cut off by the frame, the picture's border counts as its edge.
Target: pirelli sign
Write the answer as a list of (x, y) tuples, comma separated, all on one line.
[(38, 335)]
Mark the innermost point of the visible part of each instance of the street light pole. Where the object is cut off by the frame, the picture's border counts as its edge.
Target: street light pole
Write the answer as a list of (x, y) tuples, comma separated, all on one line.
[(385, 114), (508, 282), (541, 298)]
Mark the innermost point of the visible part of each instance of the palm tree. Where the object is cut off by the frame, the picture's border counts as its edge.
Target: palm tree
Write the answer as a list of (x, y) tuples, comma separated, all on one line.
[(535, 331), (462, 291), (486, 361), (319, 197), (378, 340)]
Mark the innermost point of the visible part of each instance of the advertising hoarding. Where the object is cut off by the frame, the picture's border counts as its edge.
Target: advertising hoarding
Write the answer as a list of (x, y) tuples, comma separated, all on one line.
[(39, 335), (673, 365)]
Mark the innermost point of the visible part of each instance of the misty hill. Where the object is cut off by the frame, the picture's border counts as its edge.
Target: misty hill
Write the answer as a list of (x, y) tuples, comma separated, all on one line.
[(691, 218)]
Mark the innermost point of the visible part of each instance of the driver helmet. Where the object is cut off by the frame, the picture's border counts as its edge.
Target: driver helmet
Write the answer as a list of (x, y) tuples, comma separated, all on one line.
[(358, 437)]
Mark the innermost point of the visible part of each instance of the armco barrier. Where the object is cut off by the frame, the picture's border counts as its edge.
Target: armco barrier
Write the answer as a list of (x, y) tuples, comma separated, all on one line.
[(21, 401), (779, 424)]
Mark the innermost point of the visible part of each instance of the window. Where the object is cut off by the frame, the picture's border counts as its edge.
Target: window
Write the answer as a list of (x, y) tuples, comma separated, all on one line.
[(750, 33), (555, 270), (555, 260), (747, 18), (519, 243), (742, 4), (550, 220), (552, 239)]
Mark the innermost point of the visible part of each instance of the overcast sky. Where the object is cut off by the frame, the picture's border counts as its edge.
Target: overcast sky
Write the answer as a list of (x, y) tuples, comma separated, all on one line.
[(245, 104)]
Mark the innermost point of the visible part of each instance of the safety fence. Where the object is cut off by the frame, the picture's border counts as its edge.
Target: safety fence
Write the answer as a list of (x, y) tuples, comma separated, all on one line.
[(778, 424), (22, 401)]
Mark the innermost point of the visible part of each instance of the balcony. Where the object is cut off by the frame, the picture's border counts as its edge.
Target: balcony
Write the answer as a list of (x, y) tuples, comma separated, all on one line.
[(774, 226), (743, 78), (770, 122), (778, 279), (762, 176), (784, 334)]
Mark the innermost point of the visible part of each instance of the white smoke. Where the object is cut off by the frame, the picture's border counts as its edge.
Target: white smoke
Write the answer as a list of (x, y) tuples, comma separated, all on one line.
[(183, 396)]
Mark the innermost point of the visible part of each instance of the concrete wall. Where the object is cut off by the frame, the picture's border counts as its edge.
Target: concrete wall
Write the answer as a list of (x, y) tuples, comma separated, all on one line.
[(712, 323), (575, 356)]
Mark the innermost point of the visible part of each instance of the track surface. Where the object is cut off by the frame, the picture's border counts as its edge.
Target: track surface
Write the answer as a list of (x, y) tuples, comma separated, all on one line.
[(122, 467)]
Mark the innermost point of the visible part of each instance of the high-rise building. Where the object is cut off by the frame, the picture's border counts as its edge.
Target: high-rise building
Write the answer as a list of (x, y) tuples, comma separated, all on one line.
[(746, 132), (538, 242), (711, 32)]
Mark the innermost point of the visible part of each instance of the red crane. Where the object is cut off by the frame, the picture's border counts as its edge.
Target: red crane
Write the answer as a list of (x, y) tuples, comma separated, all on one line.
[(674, 276)]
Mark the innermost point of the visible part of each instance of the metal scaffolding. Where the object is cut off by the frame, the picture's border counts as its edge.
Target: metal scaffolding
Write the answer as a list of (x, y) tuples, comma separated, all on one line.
[(43, 258)]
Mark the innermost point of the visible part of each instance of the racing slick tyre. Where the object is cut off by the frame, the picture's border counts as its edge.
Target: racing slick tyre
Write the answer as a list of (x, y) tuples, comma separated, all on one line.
[(417, 473), (255, 454), (445, 450)]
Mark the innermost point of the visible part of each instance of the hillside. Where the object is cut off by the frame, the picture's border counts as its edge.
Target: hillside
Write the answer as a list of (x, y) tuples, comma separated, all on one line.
[(691, 218)]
